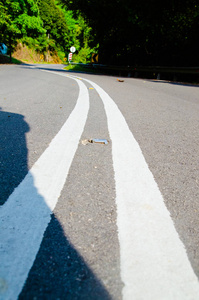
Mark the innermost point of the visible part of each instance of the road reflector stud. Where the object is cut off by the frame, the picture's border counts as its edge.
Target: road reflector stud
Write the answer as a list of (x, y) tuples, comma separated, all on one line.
[(100, 141), (95, 141), (119, 80)]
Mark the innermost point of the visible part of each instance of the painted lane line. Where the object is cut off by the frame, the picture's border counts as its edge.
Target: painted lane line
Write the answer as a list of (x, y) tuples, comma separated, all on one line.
[(26, 214), (154, 263)]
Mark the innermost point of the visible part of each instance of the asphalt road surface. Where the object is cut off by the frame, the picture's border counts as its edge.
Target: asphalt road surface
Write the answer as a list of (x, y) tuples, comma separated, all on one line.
[(81, 220)]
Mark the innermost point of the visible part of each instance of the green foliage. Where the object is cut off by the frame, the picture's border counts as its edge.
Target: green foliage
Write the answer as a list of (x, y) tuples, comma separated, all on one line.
[(29, 25), (83, 55), (82, 68), (122, 31), (64, 30), (19, 19), (143, 32), (61, 55), (7, 28), (83, 40), (54, 21), (39, 44), (44, 25), (79, 35)]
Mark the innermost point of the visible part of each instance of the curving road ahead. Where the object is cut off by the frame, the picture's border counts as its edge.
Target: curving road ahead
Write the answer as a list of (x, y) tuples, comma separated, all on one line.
[(94, 221)]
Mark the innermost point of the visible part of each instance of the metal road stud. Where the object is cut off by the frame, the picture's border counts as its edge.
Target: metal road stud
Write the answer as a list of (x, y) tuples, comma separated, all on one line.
[(95, 141)]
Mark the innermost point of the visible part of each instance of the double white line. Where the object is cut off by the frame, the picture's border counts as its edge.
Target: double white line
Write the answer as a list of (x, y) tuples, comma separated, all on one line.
[(154, 263)]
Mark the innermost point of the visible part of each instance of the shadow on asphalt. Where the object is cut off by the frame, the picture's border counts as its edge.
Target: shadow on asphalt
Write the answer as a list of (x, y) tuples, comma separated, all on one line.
[(59, 271), (175, 83), (46, 68), (13, 152)]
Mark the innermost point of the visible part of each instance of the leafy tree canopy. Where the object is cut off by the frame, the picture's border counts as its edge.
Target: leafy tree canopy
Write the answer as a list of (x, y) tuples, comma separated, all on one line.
[(143, 32), (19, 19), (45, 25), (53, 20)]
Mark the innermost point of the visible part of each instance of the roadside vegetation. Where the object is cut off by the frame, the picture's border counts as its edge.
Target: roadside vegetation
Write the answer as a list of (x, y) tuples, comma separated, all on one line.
[(47, 29), (122, 32), (152, 32)]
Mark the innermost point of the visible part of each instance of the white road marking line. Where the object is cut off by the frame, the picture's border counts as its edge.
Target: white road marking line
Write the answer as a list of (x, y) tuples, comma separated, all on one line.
[(154, 263), (26, 214), (157, 257)]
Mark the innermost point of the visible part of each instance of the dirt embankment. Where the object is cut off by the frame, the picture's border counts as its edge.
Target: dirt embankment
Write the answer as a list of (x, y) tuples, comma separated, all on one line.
[(23, 53), (27, 55)]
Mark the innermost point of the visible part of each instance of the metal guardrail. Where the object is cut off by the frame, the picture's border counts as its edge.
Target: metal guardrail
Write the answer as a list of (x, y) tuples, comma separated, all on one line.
[(136, 70), (152, 69)]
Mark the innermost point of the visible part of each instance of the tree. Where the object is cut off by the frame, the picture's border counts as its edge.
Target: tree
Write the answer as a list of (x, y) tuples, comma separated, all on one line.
[(54, 23), (142, 32), (79, 34), (19, 19)]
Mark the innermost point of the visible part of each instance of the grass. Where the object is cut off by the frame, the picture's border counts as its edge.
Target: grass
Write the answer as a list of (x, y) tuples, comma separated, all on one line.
[(81, 68), (16, 61), (5, 59)]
